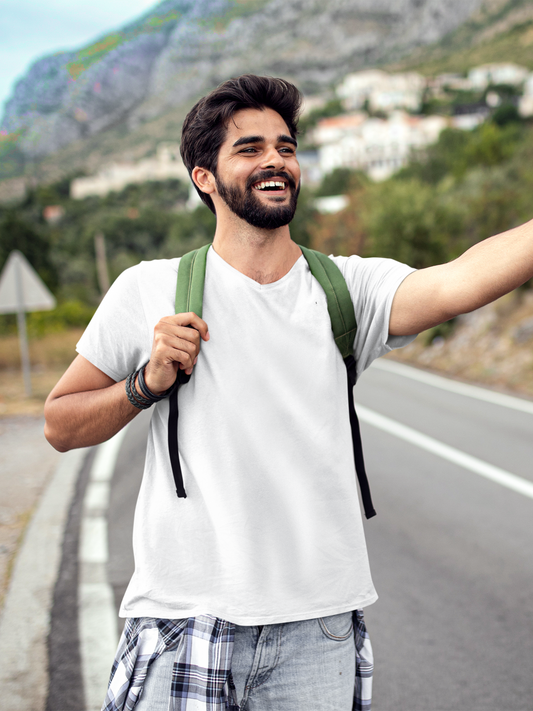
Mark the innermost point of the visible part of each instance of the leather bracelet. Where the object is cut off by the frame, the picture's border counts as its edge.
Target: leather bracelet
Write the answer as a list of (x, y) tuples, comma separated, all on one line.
[(148, 394), (141, 403)]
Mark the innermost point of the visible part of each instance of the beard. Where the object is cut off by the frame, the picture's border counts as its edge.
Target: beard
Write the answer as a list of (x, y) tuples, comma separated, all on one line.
[(247, 205)]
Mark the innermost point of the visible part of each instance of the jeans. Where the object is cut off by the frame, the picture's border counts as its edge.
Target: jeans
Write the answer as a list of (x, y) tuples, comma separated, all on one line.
[(296, 666)]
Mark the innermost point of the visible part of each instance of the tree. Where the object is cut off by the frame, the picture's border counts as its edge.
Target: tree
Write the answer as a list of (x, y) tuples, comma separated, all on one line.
[(16, 233), (343, 232), (413, 223)]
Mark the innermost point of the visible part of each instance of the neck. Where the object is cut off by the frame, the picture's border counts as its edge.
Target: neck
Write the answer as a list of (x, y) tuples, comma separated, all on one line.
[(262, 255)]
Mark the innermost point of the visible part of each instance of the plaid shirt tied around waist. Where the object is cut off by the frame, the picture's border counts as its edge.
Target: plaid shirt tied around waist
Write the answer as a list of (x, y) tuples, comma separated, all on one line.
[(201, 674)]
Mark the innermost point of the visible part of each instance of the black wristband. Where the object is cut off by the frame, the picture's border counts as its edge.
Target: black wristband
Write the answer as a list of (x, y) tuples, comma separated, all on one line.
[(148, 394), (136, 400)]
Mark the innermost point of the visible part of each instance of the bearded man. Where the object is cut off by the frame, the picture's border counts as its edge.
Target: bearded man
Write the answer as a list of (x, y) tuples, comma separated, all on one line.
[(248, 592)]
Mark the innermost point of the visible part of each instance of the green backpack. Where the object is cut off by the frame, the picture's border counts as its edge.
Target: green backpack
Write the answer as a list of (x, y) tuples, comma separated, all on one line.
[(189, 297)]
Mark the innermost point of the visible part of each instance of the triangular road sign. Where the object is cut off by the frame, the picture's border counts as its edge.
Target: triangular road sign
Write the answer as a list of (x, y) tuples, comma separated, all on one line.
[(21, 288)]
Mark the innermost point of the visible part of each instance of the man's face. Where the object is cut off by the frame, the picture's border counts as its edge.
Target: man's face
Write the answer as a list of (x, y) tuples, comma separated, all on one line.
[(258, 176)]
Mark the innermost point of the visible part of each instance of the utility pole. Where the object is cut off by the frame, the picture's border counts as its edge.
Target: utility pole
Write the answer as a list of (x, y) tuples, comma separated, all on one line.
[(102, 271), (23, 333)]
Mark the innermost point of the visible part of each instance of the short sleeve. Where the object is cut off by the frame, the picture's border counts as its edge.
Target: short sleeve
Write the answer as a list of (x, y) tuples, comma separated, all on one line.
[(118, 340), (372, 283)]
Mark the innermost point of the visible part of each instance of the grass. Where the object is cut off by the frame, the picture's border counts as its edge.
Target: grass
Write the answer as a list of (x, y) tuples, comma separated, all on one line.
[(50, 356), (52, 350), (460, 53)]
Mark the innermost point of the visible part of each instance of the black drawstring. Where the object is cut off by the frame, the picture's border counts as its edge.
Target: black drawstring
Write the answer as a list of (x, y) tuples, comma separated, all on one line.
[(349, 362)]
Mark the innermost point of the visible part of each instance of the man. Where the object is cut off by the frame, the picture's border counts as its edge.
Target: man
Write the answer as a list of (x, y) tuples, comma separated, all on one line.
[(259, 569)]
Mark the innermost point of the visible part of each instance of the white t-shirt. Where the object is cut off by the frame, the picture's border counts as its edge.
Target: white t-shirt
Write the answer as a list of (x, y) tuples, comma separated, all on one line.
[(271, 529)]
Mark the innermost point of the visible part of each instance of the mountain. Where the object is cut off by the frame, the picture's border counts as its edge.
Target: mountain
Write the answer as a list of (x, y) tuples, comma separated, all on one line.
[(128, 90), (182, 48)]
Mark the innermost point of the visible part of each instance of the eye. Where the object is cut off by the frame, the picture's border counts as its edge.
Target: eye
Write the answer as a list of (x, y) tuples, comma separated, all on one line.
[(286, 149), (250, 150)]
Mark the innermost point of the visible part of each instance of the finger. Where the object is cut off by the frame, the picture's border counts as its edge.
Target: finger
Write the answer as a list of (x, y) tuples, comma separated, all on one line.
[(189, 319), (189, 370), (169, 336)]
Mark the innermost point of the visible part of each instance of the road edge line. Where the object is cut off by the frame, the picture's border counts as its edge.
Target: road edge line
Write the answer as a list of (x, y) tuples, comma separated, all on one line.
[(97, 619), (445, 451)]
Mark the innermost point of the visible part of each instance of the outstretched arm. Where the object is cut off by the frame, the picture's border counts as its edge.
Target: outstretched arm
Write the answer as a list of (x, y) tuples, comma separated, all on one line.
[(482, 274), (87, 407)]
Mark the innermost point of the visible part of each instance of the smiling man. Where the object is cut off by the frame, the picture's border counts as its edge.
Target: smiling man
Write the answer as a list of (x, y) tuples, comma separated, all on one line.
[(248, 592)]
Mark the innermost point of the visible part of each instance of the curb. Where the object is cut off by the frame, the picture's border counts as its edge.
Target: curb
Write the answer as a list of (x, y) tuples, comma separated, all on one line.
[(25, 621)]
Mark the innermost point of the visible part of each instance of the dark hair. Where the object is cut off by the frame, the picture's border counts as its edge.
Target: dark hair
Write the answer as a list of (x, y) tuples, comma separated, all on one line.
[(205, 126)]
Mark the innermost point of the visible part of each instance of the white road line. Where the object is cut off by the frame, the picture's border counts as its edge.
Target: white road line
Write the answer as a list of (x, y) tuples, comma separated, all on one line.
[(93, 540), (473, 464), (106, 457), (454, 386), (97, 619)]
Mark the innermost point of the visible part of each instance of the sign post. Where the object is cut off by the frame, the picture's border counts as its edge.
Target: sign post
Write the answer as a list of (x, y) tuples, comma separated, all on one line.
[(22, 290)]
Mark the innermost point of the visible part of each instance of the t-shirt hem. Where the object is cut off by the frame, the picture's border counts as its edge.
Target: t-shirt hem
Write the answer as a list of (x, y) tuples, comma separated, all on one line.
[(166, 614)]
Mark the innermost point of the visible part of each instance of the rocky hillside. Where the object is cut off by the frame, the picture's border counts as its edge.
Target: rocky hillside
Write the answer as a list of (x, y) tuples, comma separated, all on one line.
[(491, 346), (182, 48)]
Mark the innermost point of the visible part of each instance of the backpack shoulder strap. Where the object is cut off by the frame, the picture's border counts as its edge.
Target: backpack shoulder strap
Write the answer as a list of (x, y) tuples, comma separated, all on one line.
[(344, 327), (191, 277), (189, 297), (340, 306)]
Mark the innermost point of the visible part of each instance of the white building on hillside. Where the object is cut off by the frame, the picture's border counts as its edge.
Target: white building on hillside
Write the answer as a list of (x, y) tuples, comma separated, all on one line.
[(504, 73), (455, 82), (525, 107), (384, 92), (166, 165), (377, 146)]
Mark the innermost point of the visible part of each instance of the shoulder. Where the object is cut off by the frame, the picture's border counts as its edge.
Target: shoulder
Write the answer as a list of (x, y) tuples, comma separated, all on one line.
[(157, 268), (363, 272), (144, 275)]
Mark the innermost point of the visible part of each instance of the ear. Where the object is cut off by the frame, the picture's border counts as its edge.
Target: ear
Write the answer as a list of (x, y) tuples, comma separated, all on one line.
[(204, 179)]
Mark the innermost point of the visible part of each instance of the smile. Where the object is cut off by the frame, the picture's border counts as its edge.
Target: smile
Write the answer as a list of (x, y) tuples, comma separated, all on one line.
[(274, 185)]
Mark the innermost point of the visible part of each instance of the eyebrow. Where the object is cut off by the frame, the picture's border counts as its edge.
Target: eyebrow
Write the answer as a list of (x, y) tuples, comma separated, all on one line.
[(282, 138)]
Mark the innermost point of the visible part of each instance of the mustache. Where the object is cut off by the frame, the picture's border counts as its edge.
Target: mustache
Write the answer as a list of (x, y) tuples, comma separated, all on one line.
[(270, 175)]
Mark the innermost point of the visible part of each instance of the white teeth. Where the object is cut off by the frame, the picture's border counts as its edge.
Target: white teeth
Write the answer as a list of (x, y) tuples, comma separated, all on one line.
[(270, 184)]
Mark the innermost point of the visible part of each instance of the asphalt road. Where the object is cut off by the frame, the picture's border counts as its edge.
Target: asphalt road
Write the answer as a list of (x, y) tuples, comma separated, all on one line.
[(451, 552)]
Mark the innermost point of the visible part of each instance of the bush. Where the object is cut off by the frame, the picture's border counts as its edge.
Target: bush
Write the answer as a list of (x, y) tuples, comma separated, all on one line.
[(70, 314), (413, 223)]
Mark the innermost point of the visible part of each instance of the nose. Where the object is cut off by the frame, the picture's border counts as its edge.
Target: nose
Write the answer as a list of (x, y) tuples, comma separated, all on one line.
[(272, 159)]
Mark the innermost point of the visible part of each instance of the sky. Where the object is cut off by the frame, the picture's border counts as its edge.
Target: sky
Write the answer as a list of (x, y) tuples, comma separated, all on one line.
[(30, 29)]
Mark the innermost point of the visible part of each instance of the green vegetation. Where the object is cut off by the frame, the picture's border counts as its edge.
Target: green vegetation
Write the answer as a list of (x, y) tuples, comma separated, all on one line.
[(11, 157), (236, 9), (98, 50)]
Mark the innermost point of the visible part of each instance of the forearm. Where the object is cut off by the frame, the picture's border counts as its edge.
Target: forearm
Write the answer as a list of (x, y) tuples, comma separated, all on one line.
[(83, 419), (491, 269), (482, 274)]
